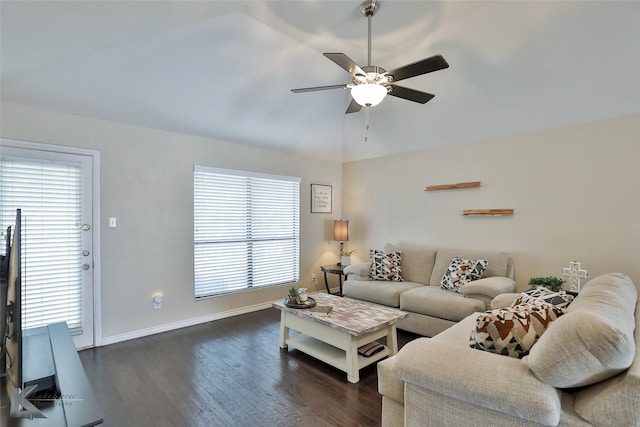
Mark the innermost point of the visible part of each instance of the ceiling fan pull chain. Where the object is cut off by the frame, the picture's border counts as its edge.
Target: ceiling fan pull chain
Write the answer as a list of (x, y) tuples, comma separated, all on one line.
[(366, 123)]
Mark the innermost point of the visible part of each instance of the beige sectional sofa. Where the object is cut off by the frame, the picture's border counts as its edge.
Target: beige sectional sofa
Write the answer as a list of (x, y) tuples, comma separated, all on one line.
[(431, 309), (584, 370)]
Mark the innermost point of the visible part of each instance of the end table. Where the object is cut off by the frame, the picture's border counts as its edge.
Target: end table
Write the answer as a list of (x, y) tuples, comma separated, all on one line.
[(333, 269)]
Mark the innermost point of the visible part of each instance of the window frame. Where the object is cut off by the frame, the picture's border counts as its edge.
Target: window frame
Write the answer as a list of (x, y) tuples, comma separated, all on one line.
[(257, 246)]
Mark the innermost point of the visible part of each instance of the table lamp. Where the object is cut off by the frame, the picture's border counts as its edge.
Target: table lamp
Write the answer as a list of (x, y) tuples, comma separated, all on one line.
[(341, 232)]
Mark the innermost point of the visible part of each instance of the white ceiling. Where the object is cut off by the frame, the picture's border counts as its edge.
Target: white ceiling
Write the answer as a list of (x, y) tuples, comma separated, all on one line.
[(224, 69)]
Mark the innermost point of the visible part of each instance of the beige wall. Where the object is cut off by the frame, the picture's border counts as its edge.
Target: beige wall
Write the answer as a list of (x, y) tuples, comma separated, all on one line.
[(147, 183), (575, 191)]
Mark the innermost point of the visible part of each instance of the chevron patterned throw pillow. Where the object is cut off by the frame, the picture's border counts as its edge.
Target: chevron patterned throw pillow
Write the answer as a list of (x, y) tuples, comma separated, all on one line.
[(462, 271), (513, 331), (385, 266)]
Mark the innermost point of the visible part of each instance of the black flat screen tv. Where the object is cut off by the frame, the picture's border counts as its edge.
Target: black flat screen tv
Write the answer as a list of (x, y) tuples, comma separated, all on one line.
[(13, 312)]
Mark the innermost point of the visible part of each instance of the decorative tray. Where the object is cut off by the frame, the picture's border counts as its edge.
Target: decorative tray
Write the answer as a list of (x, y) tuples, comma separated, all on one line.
[(307, 304)]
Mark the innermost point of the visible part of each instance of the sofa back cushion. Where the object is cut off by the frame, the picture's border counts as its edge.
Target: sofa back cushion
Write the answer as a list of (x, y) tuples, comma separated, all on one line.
[(497, 263), (616, 401), (417, 262), (594, 340)]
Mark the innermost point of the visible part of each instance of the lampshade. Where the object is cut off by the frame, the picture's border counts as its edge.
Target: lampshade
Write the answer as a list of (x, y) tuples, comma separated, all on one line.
[(341, 230), (368, 94)]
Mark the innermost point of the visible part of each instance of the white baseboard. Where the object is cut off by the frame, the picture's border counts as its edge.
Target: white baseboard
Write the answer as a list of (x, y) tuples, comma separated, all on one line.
[(182, 324)]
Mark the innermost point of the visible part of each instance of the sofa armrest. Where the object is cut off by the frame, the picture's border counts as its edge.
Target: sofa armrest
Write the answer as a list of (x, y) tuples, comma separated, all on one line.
[(358, 271), (489, 286), (504, 300), (488, 380)]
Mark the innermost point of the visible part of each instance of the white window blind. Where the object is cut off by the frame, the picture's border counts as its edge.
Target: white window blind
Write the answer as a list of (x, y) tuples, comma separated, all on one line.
[(49, 195), (246, 230)]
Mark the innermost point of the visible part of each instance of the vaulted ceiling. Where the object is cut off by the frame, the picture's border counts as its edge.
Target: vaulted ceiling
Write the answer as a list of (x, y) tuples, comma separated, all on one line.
[(224, 69)]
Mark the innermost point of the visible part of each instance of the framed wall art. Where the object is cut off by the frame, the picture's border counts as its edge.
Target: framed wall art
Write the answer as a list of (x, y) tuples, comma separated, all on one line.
[(320, 198)]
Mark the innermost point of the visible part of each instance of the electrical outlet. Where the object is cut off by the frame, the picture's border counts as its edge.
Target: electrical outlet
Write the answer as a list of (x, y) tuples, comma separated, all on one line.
[(157, 301)]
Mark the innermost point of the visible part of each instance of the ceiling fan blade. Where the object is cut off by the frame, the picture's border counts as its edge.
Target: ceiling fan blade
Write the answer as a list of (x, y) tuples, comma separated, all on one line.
[(410, 94), (434, 63), (345, 63), (313, 89), (354, 107)]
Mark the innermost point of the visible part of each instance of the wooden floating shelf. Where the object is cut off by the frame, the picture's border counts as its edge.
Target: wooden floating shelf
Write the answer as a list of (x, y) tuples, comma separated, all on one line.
[(487, 212), (453, 186)]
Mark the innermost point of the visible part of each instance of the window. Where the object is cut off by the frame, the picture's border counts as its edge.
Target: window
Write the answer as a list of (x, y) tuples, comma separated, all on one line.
[(246, 230), (49, 195)]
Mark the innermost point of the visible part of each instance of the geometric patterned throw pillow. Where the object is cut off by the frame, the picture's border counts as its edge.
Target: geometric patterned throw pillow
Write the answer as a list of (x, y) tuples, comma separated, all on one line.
[(513, 331), (559, 299), (462, 271), (385, 266)]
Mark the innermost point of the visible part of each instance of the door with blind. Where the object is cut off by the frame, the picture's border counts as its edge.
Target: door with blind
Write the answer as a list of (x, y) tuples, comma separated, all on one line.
[(54, 190)]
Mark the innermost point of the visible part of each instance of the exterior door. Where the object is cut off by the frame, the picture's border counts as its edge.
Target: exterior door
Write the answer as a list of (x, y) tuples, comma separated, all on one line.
[(54, 189)]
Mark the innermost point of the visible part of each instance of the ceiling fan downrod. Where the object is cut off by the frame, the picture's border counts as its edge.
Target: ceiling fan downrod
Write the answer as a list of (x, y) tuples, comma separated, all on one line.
[(369, 8)]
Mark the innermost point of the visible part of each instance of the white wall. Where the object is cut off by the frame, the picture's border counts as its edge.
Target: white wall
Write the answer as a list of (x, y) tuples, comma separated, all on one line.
[(575, 191), (147, 183)]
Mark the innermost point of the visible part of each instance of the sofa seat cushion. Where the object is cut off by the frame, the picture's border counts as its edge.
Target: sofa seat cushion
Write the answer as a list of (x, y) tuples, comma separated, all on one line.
[(437, 302), (379, 292), (594, 340)]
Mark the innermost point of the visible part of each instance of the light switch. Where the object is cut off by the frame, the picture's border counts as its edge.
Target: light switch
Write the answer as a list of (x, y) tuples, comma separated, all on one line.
[(112, 222)]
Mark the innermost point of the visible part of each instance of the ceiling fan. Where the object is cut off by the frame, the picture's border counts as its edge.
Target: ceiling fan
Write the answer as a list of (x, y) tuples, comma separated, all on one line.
[(369, 85)]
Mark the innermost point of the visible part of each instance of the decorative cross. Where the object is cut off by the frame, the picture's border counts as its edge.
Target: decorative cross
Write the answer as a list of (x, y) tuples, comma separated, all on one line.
[(575, 273)]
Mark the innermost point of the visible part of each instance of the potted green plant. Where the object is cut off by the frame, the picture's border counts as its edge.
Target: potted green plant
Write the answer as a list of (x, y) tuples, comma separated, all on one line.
[(345, 257), (549, 282), (294, 298)]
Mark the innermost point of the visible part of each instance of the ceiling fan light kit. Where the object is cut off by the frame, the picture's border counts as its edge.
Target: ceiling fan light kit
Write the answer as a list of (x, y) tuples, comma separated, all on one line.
[(369, 85), (368, 94)]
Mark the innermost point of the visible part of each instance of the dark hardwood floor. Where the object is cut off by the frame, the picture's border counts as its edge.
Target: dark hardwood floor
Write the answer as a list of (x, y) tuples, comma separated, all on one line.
[(230, 372)]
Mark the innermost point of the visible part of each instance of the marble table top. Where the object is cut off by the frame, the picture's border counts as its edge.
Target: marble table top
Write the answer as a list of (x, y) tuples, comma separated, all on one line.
[(352, 316)]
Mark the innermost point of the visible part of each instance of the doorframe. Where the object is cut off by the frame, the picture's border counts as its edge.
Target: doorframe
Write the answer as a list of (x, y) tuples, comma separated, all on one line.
[(97, 271)]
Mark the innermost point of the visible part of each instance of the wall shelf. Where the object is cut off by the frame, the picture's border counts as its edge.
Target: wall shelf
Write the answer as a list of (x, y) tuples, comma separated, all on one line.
[(487, 212), (457, 186)]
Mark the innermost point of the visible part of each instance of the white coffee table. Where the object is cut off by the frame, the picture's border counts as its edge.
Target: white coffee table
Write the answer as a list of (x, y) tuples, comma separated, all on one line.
[(336, 337)]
